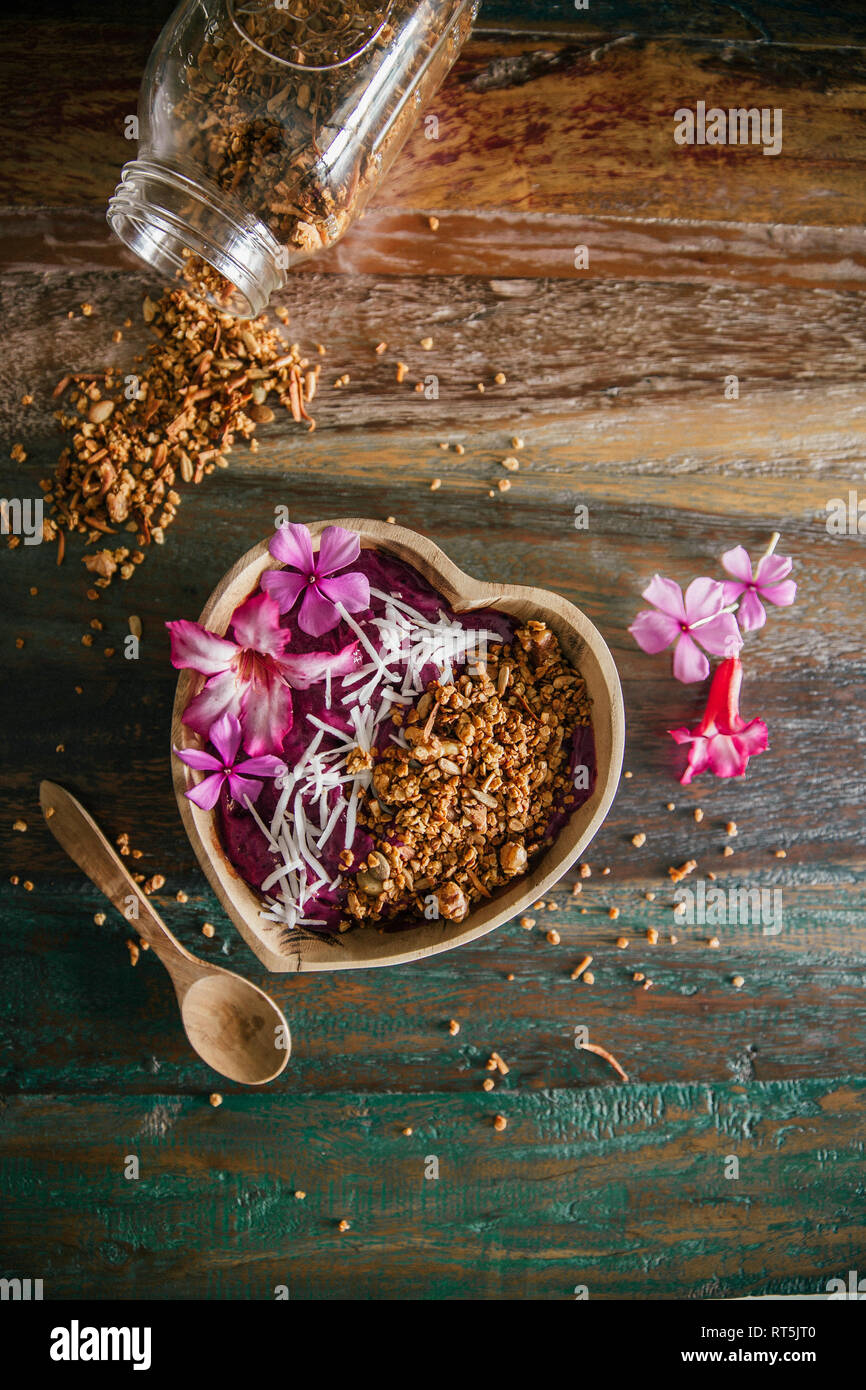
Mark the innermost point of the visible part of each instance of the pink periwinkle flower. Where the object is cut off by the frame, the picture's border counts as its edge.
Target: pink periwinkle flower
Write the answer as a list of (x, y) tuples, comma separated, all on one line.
[(697, 617), (769, 583), (723, 742), (251, 676), (316, 577), (225, 735)]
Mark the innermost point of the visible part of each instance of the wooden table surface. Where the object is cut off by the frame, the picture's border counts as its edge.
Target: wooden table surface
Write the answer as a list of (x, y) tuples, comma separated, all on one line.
[(555, 132)]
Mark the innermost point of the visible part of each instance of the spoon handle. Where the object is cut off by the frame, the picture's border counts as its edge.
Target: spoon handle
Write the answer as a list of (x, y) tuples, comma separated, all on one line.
[(85, 843)]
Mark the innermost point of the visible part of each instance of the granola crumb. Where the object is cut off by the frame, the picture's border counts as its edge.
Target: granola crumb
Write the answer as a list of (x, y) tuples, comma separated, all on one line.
[(674, 939), (500, 1123), (738, 982), (638, 976), (727, 851), (517, 442), (215, 1099), (527, 923), (433, 223), (459, 449), (132, 947), (300, 1194), (553, 937), (453, 1027), (436, 484), (613, 913), (511, 464), (622, 943), (585, 871), (670, 806), (588, 977), (343, 1226), (731, 828), (780, 853), (650, 896), (380, 348), (713, 943), (407, 1130), (488, 1083), (652, 936), (500, 378), (207, 929), (402, 369), (426, 344), (576, 888), (638, 839), (181, 896), (688, 867), (581, 967), (20, 825), (99, 919), (698, 814), (628, 776)]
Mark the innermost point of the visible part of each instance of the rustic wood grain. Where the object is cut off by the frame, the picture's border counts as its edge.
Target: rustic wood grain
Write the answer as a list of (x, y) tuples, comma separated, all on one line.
[(555, 133), (599, 1188)]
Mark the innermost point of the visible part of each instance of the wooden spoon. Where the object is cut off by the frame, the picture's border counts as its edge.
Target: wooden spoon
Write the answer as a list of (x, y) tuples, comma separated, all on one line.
[(231, 1023)]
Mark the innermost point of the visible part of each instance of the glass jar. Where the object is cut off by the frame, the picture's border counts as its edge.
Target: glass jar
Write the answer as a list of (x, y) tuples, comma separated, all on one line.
[(265, 126)]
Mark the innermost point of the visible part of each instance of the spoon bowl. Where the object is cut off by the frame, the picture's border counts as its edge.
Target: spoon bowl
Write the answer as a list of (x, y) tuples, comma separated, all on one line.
[(235, 1027)]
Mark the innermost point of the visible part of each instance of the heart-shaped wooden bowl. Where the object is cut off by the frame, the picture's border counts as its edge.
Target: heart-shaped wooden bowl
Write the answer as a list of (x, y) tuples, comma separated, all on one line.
[(281, 949)]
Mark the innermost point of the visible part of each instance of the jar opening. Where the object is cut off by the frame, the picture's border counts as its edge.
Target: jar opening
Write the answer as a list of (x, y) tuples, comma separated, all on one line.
[(166, 218)]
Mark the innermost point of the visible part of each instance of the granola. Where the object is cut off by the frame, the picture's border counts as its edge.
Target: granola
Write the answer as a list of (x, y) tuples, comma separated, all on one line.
[(468, 805)]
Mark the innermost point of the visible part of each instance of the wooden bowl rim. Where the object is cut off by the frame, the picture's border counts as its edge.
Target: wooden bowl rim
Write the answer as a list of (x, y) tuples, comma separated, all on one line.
[(464, 593)]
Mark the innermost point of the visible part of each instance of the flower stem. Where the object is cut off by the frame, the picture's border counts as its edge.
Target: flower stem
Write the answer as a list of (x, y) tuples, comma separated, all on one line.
[(774, 541), (732, 608)]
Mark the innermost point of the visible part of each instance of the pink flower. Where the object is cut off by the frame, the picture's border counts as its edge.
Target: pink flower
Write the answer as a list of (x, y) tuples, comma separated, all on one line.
[(769, 583), (225, 735), (723, 742), (316, 576), (699, 617), (251, 676)]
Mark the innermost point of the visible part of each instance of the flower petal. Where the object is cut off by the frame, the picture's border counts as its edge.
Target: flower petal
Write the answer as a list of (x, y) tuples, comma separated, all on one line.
[(772, 569), (667, 596), (266, 716), (206, 794), (268, 765), (782, 595), (738, 563), (284, 586), (337, 549), (653, 631), (754, 737), (720, 635), (221, 695), (731, 591), (195, 648), (690, 664), (704, 597), (256, 625), (352, 590), (244, 786), (306, 669), (697, 760), (318, 614), (292, 546), (225, 735), (199, 759), (750, 614), (726, 757)]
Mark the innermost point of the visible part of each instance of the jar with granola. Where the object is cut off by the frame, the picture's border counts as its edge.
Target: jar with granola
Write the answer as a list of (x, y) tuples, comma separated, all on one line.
[(265, 126)]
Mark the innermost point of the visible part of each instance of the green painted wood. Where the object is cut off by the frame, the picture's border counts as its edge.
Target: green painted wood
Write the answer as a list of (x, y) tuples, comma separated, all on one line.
[(620, 1190)]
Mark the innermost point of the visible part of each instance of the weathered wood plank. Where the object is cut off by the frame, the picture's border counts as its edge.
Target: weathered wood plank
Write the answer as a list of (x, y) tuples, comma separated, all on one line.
[(597, 1188), (576, 128)]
